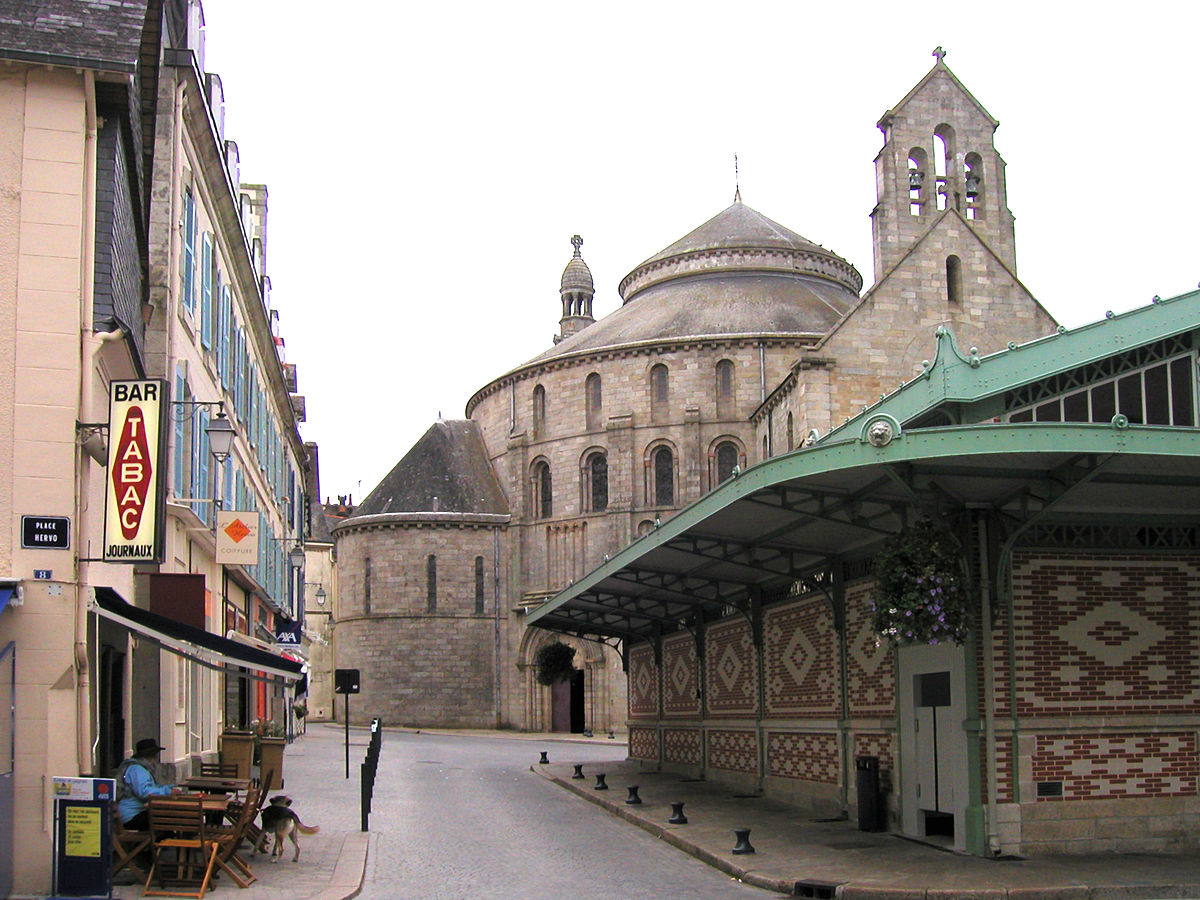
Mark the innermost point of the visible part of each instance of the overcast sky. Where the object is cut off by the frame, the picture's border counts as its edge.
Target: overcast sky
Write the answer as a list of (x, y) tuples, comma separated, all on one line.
[(427, 164)]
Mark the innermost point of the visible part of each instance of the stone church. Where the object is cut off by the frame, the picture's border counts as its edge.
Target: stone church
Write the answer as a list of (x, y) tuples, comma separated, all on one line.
[(736, 343)]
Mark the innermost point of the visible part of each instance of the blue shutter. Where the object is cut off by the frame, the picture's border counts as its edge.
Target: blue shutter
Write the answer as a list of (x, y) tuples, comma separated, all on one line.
[(180, 414), (202, 458), (226, 327), (206, 291), (188, 286)]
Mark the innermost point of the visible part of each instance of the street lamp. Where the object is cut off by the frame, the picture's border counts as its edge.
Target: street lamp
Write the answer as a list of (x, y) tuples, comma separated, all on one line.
[(220, 433), (296, 557), (321, 595)]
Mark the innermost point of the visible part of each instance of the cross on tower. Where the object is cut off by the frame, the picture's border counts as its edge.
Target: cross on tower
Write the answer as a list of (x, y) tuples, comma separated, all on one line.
[(939, 53), (576, 242)]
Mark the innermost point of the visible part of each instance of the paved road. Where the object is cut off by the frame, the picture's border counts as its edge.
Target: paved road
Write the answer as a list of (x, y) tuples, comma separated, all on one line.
[(462, 817)]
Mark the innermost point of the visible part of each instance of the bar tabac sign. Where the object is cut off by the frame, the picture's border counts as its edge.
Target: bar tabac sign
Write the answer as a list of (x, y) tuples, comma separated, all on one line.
[(133, 509)]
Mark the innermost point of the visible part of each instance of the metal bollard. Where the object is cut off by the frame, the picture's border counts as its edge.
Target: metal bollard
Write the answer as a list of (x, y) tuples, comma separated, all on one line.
[(743, 841), (633, 799), (677, 816), (600, 785), (545, 758), (578, 770)]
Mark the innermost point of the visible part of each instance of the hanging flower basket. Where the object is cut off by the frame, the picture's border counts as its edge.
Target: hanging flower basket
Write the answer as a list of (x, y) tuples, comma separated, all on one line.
[(554, 663), (920, 588)]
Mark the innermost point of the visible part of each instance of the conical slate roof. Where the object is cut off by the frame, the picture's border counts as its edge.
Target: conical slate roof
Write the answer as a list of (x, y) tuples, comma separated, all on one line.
[(447, 470)]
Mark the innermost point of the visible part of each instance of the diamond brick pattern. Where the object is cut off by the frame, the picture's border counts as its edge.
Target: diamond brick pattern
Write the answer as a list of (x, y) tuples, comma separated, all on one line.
[(735, 751), (870, 664), (1106, 635), (682, 745), (801, 654), (643, 743), (1097, 766), (805, 757), (883, 746), (643, 682), (731, 668), (680, 681)]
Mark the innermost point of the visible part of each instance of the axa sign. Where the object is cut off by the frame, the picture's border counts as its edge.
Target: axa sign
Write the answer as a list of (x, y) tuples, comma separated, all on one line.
[(133, 502)]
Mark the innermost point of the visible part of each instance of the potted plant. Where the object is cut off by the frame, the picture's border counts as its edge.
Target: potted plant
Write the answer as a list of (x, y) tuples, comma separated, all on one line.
[(921, 593), (553, 662)]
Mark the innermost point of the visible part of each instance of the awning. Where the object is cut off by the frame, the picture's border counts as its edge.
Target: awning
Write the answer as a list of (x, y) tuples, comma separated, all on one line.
[(200, 646), (6, 595)]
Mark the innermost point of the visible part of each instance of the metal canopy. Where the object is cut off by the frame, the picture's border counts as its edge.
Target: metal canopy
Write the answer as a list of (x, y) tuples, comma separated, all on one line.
[(789, 518)]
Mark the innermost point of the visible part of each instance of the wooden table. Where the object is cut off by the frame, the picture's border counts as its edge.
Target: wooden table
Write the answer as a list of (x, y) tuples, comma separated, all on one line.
[(211, 784)]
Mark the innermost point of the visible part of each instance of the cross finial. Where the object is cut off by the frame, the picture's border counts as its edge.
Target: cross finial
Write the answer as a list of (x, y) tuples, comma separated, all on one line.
[(939, 53), (576, 242), (737, 187)]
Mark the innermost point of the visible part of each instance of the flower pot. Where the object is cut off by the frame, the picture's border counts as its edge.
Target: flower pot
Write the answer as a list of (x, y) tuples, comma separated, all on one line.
[(237, 747), (271, 753)]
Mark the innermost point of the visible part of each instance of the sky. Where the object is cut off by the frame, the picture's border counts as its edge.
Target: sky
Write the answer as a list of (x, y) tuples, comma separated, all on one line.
[(428, 163)]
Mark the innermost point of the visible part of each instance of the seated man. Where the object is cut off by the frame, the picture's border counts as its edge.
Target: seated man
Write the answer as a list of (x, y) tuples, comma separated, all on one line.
[(136, 783)]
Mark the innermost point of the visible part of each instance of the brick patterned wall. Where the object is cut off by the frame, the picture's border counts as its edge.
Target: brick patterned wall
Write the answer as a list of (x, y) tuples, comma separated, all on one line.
[(682, 745), (883, 746), (731, 669), (805, 757), (643, 743), (1097, 766), (1005, 792), (680, 676), (735, 751), (643, 682), (1106, 634), (870, 667), (801, 659)]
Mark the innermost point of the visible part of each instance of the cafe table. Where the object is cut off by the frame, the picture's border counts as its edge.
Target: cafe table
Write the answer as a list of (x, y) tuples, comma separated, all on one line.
[(213, 784)]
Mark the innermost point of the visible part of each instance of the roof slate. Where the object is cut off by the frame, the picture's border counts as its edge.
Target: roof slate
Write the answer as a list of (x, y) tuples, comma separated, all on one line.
[(101, 34)]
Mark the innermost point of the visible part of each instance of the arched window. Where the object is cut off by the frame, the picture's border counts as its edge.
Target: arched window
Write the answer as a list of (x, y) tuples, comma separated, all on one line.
[(593, 398), (539, 410), (953, 279), (595, 473), (479, 585), (727, 460), (663, 466), (943, 162), (724, 381), (543, 494), (791, 432), (918, 166), (660, 392), (367, 586), (431, 583), (973, 183)]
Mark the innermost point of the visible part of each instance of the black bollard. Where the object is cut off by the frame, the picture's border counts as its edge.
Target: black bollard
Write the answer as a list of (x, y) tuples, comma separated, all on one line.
[(600, 785), (743, 841), (578, 770), (545, 758), (677, 816), (633, 799)]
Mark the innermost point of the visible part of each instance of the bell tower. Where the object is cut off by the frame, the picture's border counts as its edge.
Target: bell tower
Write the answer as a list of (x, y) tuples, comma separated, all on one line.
[(576, 290), (938, 155)]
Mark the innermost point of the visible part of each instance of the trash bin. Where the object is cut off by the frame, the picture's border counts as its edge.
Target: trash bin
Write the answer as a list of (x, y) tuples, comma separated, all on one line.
[(238, 747), (870, 807)]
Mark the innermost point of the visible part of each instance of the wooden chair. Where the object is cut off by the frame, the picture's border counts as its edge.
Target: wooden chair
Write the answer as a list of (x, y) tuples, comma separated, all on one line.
[(127, 845), (231, 837), (253, 832), (184, 855), (219, 770)]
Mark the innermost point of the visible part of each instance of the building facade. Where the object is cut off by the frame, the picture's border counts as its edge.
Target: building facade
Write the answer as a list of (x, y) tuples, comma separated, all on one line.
[(133, 264), (731, 346)]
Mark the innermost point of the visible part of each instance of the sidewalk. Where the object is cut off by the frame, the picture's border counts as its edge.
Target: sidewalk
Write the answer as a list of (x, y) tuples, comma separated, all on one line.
[(797, 855)]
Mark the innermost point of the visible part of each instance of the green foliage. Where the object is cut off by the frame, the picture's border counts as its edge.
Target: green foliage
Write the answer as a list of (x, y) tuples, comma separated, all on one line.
[(921, 591), (554, 663)]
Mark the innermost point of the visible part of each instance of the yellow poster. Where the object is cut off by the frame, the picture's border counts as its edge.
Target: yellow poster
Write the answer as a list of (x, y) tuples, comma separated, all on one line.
[(83, 831)]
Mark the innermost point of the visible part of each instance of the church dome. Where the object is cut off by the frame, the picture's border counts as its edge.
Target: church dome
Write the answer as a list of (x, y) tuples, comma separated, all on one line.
[(576, 276), (738, 274)]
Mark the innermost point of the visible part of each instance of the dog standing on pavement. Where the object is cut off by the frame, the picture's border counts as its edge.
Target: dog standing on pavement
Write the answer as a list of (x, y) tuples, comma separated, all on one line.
[(278, 819)]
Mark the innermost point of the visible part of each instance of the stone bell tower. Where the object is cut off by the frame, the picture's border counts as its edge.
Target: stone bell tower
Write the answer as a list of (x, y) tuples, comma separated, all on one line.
[(577, 291), (938, 155)]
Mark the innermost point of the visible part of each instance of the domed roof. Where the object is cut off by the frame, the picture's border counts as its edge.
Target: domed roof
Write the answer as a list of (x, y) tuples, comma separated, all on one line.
[(739, 273), (576, 276)]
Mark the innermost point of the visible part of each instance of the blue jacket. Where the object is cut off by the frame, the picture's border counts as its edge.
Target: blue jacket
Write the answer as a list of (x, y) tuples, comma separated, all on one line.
[(135, 785)]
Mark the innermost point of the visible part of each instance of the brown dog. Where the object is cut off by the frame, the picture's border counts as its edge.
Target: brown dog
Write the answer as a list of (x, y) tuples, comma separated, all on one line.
[(279, 820)]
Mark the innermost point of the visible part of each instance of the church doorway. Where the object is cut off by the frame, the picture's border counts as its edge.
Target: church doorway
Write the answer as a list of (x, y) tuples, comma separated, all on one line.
[(567, 705)]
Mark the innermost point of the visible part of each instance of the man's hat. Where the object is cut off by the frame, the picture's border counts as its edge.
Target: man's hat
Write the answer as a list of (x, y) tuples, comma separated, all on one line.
[(146, 747)]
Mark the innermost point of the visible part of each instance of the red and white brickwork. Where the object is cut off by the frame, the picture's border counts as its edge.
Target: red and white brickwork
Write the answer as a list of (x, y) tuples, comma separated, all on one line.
[(682, 745), (643, 743), (735, 751), (870, 667), (680, 683), (806, 757), (643, 682), (1097, 766), (1005, 792), (800, 652), (883, 746), (731, 668)]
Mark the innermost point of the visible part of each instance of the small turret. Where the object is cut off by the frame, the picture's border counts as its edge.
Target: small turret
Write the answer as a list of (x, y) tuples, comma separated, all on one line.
[(577, 291)]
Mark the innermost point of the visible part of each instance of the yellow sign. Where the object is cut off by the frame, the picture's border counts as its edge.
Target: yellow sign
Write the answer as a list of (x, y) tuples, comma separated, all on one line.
[(135, 477), (83, 831)]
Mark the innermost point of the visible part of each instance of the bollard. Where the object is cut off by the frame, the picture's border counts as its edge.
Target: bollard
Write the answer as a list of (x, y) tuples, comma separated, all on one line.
[(633, 799), (611, 736), (743, 841), (578, 770), (600, 785), (545, 758), (677, 816)]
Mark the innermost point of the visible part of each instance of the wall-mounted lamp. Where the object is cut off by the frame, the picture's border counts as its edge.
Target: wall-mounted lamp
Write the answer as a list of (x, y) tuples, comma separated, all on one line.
[(220, 433), (320, 595), (296, 557)]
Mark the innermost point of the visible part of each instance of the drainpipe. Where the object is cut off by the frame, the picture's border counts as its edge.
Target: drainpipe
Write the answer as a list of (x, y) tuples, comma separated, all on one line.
[(989, 686)]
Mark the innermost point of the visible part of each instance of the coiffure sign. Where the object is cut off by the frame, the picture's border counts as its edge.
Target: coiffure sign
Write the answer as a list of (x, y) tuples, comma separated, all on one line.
[(133, 502)]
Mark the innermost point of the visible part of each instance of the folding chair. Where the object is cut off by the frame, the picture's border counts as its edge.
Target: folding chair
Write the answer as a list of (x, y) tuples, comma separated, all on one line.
[(127, 845), (184, 856), (253, 832), (230, 839)]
